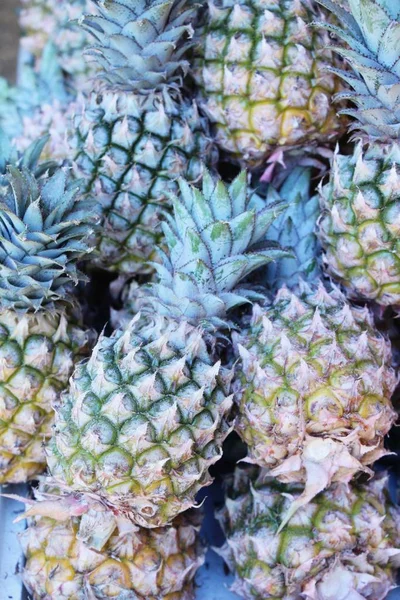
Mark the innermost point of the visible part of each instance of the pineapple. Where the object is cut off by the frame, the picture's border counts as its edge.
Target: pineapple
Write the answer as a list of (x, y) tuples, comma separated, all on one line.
[(262, 79), (43, 230), (54, 22), (147, 414), (25, 100), (51, 71), (74, 551), (138, 132), (345, 544), (314, 384), (360, 221)]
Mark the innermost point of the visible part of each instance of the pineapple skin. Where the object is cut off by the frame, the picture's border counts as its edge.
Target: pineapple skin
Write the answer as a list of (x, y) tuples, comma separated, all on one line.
[(144, 420), (37, 355), (314, 384), (102, 556), (130, 150), (53, 119), (359, 227), (261, 79), (345, 543)]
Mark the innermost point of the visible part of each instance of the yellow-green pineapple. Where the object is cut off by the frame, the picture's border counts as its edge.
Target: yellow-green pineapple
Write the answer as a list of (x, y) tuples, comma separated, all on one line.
[(313, 374), (43, 231), (344, 544), (77, 550), (146, 416), (138, 131), (262, 78), (314, 386)]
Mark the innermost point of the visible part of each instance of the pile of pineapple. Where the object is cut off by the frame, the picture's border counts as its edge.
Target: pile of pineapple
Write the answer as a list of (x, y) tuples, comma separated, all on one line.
[(225, 179)]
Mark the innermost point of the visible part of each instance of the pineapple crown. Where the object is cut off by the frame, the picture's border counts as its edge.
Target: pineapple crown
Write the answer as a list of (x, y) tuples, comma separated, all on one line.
[(371, 30), (295, 227), (212, 238), (41, 83), (140, 43), (43, 231)]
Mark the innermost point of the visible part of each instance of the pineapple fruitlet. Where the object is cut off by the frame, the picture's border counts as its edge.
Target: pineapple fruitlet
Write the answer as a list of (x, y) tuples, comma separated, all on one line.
[(147, 414), (344, 544), (43, 231)]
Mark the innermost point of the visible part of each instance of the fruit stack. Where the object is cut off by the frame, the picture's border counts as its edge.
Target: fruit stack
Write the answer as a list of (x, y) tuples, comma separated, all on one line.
[(193, 162)]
